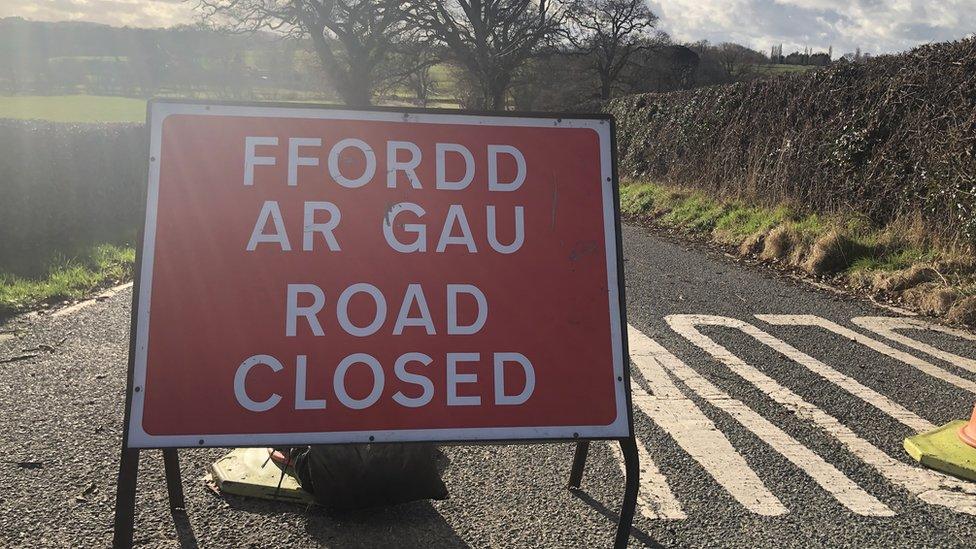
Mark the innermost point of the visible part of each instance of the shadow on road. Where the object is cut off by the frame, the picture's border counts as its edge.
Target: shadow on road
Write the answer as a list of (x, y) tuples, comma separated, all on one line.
[(414, 524), (184, 530), (614, 516)]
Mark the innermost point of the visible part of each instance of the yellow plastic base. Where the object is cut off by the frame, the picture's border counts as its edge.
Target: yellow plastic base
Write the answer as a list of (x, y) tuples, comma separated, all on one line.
[(942, 450), (248, 472)]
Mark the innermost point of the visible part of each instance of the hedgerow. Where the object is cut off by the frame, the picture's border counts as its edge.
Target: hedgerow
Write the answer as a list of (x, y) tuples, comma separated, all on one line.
[(889, 138), (65, 187)]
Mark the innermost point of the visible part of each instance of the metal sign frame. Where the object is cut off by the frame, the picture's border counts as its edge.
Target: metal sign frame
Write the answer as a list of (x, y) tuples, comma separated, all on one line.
[(129, 455)]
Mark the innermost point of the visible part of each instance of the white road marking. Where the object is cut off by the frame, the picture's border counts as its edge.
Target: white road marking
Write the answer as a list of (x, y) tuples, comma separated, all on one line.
[(884, 404), (652, 359), (82, 304), (655, 499), (886, 326), (929, 486), (921, 365), (681, 418)]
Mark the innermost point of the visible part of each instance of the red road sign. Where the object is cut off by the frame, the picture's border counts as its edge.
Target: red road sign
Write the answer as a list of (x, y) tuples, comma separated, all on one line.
[(313, 275)]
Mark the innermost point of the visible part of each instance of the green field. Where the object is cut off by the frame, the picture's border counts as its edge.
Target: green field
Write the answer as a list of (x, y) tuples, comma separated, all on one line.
[(785, 69), (99, 108), (73, 108)]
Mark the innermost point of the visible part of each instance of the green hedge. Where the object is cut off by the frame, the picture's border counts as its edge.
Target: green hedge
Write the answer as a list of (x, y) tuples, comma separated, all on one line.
[(891, 137), (66, 186)]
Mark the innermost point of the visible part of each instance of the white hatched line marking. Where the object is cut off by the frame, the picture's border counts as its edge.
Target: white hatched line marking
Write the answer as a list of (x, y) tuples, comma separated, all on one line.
[(849, 384), (655, 499), (697, 435), (886, 326), (921, 365), (929, 486), (651, 359)]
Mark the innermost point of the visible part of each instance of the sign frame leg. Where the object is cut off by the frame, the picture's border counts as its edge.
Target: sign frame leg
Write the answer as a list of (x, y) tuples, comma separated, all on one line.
[(125, 499), (174, 481), (579, 463), (125, 486), (628, 447)]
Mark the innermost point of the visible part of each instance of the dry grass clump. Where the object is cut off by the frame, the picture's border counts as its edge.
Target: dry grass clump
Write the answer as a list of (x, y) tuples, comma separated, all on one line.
[(931, 298), (780, 243), (963, 312), (935, 288), (963, 262), (753, 244), (831, 253), (899, 281)]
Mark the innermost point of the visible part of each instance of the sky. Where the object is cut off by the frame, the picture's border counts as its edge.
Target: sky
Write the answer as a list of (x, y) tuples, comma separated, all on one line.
[(876, 26)]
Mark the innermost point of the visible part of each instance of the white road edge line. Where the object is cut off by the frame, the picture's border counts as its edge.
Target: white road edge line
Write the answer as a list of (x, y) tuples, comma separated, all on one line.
[(883, 348), (82, 304), (885, 326), (652, 358), (681, 418), (929, 486)]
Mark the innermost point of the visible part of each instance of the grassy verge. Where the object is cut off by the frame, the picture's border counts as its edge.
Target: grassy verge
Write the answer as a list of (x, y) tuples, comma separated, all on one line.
[(901, 262), (67, 278)]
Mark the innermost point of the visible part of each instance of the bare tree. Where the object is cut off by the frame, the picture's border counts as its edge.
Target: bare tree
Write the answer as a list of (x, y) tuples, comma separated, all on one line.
[(423, 84), (737, 60), (411, 68), (489, 39), (683, 63), (555, 82), (351, 38), (610, 32)]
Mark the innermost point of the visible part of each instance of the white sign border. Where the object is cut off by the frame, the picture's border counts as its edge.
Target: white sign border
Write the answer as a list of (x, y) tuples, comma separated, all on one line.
[(139, 438)]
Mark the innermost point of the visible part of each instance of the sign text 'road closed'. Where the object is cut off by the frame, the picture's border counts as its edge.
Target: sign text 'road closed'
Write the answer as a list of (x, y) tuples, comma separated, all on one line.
[(314, 275)]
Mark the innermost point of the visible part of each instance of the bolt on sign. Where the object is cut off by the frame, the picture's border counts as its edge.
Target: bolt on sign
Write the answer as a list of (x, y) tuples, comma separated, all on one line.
[(316, 275)]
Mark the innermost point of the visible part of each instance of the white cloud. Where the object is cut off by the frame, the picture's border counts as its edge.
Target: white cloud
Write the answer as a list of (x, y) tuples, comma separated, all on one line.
[(134, 13), (876, 26)]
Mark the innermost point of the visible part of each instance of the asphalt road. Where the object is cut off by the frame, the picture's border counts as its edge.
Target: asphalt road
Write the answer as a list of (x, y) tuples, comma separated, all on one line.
[(756, 434)]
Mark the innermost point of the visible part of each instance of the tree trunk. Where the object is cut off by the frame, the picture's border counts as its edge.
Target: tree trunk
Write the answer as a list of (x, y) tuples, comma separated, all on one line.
[(497, 100), (604, 87), (495, 93), (357, 80), (356, 93), (352, 86)]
